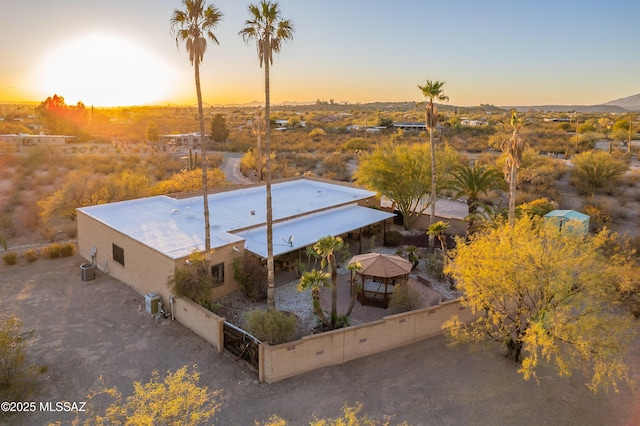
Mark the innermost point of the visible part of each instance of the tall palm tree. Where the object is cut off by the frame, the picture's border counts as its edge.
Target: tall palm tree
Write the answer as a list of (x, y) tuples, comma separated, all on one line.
[(433, 92), (269, 30), (193, 25), (513, 149), (471, 181), (258, 128)]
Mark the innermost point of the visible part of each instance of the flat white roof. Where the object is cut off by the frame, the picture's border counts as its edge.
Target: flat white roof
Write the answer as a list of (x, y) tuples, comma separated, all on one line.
[(298, 233), (175, 227)]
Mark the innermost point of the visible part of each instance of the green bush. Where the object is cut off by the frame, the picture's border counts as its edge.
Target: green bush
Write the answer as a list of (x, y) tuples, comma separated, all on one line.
[(31, 255), (192, 280), (251, 275), (10, 258), (404, 299), (55, 250), (272, 326), (392, 238), (434, 264)]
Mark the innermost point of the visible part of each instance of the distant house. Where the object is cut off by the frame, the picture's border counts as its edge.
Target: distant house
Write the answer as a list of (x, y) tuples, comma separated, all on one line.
[(184, 139), (41, 139), (410, 126), (470, 122), (413, 126)]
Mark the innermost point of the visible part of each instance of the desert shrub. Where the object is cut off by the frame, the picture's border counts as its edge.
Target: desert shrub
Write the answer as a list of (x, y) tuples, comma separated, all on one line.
[(192, 280), (392, 238), (404, 299), (7, 224), (538, 207), (15, 373), (10, 258), (251, 275), (599, 215), (596, 170), (271, 326), (434, 264), (355, 145), (334, 167), (30, 255), (55, 250)]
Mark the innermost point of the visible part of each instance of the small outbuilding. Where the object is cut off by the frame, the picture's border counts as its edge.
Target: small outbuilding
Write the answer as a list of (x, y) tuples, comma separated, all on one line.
[(570, 220)]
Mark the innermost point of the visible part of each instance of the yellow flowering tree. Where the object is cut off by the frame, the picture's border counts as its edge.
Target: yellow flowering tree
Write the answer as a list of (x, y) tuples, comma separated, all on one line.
[(548, 295)]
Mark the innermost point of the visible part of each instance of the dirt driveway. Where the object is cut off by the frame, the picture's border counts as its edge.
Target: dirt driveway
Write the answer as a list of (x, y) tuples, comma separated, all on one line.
[(82, 330)]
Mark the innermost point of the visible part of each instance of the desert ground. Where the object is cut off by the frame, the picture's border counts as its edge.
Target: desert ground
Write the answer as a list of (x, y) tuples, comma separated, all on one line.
[(83, 330)]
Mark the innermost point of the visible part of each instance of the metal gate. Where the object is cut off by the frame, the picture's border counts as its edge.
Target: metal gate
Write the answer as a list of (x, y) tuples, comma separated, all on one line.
[(242, 344)]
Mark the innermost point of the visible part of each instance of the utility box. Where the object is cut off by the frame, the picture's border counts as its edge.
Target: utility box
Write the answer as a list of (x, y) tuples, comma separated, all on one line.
[(88, 271), (151, 301)]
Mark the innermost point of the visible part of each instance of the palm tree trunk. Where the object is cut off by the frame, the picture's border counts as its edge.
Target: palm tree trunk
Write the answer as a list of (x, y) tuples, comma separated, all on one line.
[(259, 157), (334, 291), (271, 289), (203, 145), (432, 215)]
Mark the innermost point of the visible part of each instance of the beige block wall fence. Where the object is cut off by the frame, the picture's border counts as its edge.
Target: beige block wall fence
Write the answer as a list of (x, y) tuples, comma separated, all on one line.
[(330, 348), (343, 345)]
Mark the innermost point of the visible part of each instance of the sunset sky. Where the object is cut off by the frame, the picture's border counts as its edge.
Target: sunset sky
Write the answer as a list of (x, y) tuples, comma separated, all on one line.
[(522, 52)]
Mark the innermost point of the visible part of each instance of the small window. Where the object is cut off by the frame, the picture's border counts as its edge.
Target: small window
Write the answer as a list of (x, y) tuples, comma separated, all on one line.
[(217, 274), (118, 254)]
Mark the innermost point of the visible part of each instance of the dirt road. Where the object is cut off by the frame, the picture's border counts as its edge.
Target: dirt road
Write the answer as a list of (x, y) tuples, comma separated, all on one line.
[(84, 330)]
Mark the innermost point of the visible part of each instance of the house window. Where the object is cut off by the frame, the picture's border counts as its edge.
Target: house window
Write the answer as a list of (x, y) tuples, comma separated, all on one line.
[(118, 254), (217, 274)]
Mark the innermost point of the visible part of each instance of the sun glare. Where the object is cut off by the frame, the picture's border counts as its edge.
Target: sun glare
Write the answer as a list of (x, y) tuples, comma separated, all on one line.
[(103, 70)]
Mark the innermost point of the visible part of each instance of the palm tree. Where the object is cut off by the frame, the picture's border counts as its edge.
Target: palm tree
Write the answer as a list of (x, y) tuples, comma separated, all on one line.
[(432, 91), (269, 30), (471, 181), (3, 240), (194, 25), (258, 128), (437, 229), (315, 279), (327, 248), (513, 149)]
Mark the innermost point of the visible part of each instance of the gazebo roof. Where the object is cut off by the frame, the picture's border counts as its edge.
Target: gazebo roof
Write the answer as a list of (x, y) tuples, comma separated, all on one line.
[(382, 265)]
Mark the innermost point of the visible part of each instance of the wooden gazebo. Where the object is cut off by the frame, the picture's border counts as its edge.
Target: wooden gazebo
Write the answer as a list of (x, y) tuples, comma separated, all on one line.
[(379, 272)]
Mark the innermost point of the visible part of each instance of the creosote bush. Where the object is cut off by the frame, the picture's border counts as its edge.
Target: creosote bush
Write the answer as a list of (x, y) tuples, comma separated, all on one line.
[(30, 255), (56, 250), (272, 326), (251, 274), (404, 299), (16, 375), (392, 238), (10, 258)]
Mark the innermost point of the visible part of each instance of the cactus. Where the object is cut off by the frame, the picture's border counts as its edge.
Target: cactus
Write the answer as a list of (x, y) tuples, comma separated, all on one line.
[(193, 160)]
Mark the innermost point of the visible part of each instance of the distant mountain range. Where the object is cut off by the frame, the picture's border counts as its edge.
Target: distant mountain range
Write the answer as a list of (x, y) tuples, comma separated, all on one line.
[(622, 105)]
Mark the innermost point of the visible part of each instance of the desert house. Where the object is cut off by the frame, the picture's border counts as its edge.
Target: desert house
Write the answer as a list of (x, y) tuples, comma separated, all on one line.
[(142, 241)]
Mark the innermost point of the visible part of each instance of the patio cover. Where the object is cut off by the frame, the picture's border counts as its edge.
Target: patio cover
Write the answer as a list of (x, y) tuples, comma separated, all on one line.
[(382, 265), (293, 234)]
